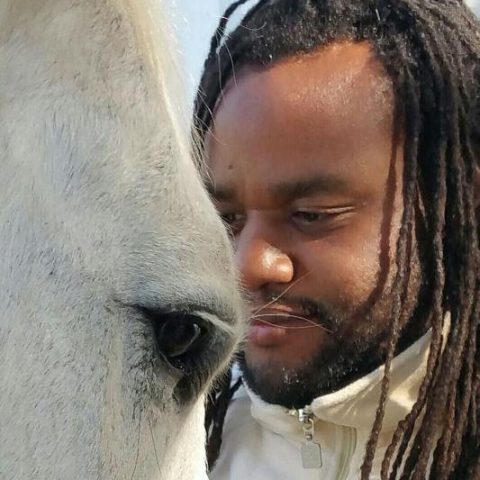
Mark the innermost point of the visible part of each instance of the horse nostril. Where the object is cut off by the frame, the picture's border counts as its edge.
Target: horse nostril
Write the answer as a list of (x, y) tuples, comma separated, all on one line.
[(176, 335)]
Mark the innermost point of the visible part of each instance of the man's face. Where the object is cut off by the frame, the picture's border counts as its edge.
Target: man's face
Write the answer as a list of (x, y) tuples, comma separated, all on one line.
[(305, 170)]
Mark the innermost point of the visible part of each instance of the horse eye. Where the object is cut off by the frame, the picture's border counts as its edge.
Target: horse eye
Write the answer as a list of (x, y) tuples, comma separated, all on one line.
[(176, 336), (187, 343)]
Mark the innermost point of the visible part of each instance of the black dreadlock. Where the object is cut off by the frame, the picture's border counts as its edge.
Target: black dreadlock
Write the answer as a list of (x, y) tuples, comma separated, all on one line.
[(430, 49)]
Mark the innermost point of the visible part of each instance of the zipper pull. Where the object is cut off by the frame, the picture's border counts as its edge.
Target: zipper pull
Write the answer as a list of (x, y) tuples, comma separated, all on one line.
[(311, 451)]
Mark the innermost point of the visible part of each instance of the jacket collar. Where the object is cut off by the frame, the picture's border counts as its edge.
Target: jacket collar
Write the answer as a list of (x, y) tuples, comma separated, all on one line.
[(356, 404)]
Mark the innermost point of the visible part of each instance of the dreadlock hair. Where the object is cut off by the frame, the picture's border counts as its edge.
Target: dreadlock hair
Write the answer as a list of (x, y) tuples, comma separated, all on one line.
[(430, 49)]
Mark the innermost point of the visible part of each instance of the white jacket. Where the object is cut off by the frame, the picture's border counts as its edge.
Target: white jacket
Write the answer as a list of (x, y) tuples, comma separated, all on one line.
[(264, 442)]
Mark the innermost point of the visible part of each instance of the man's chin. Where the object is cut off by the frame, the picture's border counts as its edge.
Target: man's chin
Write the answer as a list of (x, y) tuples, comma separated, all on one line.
[(274, 384)]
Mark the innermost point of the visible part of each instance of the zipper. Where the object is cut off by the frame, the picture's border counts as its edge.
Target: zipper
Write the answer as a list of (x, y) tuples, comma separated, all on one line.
[(310, 450)]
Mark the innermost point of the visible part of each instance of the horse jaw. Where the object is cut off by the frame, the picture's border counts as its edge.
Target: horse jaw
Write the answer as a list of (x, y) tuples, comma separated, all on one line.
[(102, 211)]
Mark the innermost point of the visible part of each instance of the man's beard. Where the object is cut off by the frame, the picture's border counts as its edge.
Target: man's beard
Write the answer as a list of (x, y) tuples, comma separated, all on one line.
[(298, 387), (331, 369)]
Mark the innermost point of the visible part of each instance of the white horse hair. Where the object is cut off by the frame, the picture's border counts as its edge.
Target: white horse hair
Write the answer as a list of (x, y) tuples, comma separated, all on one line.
[(111, 250)]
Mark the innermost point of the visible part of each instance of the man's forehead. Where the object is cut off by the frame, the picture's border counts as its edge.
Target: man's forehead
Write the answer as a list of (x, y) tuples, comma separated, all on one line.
[(329, 76), (326, 116), (344, 82)]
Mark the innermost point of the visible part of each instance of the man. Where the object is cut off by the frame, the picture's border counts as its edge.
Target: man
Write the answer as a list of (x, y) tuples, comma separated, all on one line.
[(340, 138)]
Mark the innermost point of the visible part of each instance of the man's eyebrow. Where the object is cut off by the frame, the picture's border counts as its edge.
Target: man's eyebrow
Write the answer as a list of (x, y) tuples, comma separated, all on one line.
[(288, 190), (304, 187)]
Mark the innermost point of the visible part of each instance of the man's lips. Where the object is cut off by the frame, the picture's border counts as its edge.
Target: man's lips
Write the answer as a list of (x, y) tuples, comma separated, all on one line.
[(284, 317), (284, 321), (270, 327)]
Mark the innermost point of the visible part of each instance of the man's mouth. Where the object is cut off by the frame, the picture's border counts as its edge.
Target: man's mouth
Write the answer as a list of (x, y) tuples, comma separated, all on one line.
[(273, 324), (284, 317)]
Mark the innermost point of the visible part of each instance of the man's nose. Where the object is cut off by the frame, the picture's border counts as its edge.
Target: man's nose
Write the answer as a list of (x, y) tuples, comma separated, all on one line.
[(259, 260)]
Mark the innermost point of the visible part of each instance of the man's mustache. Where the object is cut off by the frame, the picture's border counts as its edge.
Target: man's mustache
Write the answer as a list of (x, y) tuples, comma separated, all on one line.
[(316, 311)]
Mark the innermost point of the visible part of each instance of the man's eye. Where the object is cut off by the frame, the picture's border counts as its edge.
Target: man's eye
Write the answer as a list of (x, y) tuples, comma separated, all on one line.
[(230, 218), (307, 216), (315, 220), (233, 221)]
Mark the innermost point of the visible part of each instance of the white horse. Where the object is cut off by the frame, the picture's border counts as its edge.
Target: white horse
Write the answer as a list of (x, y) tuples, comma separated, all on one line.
[(117, 291)]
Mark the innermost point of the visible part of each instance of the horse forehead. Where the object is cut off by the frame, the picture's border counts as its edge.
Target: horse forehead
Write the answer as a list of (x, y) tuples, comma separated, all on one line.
[(104, 151), (105, 115)]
